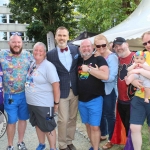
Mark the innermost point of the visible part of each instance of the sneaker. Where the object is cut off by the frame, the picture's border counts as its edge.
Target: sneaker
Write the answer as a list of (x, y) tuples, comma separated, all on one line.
[(10, 148), (41, 147), (91, 148), (21, 146)]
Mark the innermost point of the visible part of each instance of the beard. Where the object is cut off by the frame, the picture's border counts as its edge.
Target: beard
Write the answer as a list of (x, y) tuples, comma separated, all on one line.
[(86, 55), (14, 52), (64, 44)]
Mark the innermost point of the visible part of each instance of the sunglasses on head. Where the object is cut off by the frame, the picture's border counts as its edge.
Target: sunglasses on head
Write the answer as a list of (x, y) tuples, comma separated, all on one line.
[(144, 44), (16, 33), (99, 46)]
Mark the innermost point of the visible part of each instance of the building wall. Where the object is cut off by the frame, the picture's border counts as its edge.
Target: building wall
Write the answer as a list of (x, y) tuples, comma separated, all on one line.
[(9, 27)]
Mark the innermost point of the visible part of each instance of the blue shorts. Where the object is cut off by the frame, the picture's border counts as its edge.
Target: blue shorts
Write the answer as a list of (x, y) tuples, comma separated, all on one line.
[(91, 112), (17, 109), (139, 111)]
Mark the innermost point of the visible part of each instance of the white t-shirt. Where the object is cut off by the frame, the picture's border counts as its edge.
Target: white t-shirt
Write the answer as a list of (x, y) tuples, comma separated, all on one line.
[(38, 86)]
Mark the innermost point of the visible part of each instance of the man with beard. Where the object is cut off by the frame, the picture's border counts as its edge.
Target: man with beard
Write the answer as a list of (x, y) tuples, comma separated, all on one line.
[(65, 58), (123, 106), (91, 71), (15, 64)]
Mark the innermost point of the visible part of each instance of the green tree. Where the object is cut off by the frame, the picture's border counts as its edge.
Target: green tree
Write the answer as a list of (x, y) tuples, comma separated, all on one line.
[(47, 14), (100, 15)]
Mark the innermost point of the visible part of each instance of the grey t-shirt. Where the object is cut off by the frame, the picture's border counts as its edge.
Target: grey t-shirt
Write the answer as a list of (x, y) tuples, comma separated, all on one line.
[(38, 86)]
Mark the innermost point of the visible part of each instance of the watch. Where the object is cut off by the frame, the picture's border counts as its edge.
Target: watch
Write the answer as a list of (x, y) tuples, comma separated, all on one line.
[(56, 103), (89, 70)]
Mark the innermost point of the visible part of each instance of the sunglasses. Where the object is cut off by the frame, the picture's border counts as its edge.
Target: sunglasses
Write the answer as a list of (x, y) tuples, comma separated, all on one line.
[(144, 44), (99, 46), (16, 33)]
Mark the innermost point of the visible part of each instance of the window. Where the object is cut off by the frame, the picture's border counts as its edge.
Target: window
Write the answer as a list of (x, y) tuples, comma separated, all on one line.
[(3, 36), (3, 18), (4, 2), (11, 20)]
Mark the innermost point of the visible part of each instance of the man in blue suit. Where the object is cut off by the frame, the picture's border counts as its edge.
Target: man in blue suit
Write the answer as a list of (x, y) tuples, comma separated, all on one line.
[(65, 58)]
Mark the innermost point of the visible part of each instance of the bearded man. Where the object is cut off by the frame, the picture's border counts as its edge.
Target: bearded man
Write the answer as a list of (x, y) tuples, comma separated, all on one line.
[(15, 64)]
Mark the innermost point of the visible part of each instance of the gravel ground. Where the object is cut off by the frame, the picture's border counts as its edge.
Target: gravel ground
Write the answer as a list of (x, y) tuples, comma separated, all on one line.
[(81, 140), (31, 140)]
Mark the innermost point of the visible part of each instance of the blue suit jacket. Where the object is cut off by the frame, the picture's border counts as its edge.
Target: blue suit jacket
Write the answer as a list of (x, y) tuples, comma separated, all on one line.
[(65, 76)]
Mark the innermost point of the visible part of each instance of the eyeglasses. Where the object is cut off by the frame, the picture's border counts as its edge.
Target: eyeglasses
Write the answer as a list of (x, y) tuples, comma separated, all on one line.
[(99, 46), (16, 33), (144, 44)]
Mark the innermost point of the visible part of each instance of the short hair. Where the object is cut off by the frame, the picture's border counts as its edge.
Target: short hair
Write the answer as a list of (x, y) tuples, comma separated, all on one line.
[(40, 44), (62, 28), (101, 37), (148, 32)]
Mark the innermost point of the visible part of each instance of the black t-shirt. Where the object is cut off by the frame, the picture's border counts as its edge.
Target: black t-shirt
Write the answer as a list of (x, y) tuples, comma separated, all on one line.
[(90, 87)]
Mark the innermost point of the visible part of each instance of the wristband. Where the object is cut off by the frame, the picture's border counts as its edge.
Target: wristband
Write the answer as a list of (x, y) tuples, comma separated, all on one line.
[(89, 70), (56, 103)]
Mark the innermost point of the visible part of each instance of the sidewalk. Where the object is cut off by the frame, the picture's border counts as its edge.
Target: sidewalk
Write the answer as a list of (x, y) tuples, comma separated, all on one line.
[(31, 139)]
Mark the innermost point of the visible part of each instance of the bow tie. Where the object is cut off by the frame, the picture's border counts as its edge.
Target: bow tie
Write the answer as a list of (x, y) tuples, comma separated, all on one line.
[(65, 49)]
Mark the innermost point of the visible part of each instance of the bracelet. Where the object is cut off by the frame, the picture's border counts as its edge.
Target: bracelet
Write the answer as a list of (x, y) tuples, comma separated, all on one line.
[(56, 103), (89, 70)]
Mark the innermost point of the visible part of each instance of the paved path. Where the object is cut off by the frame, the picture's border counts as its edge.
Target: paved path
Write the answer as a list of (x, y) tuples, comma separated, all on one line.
[(81, 141), (31, 140)]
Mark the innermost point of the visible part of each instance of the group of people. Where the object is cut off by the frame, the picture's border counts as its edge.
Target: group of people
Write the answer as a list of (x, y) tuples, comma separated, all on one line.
[(67, 79)]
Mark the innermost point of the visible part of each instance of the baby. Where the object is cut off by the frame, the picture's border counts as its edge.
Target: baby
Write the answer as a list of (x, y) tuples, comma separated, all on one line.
[(140, 62)]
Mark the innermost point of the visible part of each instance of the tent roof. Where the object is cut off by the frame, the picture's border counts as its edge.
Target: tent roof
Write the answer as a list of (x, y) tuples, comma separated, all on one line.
[(84, 35), (131, 28)]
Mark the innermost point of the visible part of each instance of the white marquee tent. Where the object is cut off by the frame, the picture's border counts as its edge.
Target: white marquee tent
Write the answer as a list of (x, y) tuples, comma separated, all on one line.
[(131, 28)]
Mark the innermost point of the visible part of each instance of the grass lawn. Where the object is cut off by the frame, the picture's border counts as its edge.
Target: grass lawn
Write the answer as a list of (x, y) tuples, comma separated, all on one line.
[(145, 136)]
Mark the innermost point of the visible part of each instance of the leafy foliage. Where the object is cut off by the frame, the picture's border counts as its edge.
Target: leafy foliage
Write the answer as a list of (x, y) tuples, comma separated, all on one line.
[(100, 15), (47, 14), (91, 15)]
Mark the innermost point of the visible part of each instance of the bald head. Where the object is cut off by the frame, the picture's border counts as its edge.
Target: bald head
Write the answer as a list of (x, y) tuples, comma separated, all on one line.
[(15, 44), (86, 48), (85, 42)]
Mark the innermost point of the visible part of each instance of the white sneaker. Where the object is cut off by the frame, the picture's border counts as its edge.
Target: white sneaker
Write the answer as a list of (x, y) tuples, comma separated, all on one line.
[(21, 146), (10, 148)]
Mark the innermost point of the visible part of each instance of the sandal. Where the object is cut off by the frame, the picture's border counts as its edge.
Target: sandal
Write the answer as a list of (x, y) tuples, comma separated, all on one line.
[(108, 145), (103, 139)]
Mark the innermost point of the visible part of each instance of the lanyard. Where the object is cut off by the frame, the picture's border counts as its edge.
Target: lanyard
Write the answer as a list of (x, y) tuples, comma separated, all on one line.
[(31, 70)]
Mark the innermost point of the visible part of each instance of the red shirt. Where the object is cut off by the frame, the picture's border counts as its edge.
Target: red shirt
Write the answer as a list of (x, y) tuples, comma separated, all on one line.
[(124, 63)]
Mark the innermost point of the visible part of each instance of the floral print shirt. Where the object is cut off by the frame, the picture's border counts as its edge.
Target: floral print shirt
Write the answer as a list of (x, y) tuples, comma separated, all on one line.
[(15, 69)]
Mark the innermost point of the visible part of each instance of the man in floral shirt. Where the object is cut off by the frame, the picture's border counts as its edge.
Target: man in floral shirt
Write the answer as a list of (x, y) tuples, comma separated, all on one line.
[(15, 64)]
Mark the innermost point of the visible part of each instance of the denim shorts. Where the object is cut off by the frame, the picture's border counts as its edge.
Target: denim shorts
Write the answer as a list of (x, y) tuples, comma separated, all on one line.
[(139, 111), (17, 108), (91, 111)]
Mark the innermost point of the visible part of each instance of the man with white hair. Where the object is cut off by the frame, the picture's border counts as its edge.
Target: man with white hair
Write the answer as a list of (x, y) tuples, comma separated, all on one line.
[(91, 71)]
